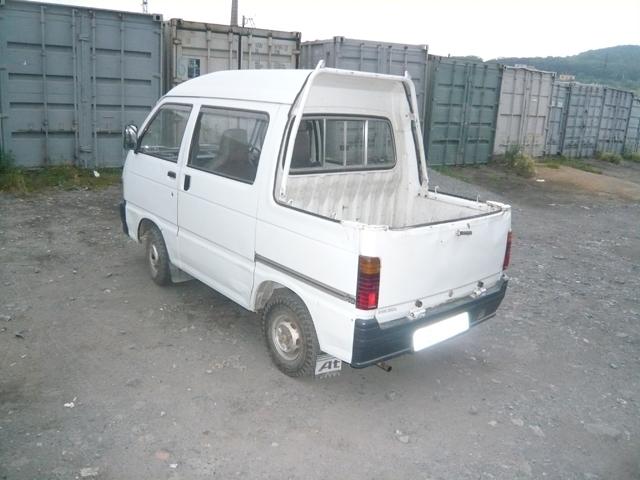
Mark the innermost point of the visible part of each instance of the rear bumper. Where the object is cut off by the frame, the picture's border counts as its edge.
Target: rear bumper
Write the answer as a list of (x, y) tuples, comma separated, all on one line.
[(373, 342)]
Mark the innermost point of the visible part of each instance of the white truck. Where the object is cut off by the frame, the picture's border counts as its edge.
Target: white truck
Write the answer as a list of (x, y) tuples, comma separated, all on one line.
[(303, 195)]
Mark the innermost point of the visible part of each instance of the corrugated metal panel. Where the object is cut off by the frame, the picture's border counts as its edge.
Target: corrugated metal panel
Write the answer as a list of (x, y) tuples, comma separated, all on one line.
[(4, 100), (370, 56), (195, 48), (556, 118), (582, 122), (73, 78), (614, 120), (525, 97), (632, 142), (462, 106)]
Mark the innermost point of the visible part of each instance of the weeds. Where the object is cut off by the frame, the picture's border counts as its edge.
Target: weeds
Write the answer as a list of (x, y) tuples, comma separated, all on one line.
[(631, 156), (560, 161), (11, 178), (523, 165), (609, 157), (22, 181)]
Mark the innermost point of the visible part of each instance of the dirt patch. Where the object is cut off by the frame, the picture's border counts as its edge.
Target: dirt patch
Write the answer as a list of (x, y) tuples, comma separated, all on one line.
[(175, 383), (591, 182)]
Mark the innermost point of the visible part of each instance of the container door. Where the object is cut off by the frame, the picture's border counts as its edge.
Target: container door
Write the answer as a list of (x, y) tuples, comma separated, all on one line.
[(218, 200)]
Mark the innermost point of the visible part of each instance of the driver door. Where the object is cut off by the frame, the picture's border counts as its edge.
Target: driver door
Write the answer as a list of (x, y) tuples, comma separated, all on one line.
[(217, 200)]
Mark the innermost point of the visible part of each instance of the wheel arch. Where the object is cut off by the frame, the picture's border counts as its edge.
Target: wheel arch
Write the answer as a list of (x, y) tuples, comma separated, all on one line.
[(265, 291), (332, 320), (144, 226)]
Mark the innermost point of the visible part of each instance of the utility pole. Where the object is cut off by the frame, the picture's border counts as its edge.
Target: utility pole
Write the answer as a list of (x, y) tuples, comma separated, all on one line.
[(145, 6), (234, 13)]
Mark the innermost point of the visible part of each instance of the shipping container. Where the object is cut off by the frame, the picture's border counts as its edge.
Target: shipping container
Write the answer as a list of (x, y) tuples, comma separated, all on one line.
[(462, 106), (525, 98), (614, 120), (582, 122), (370, 56), (632, 142), (557, 118), (71, 78), (194, 48)]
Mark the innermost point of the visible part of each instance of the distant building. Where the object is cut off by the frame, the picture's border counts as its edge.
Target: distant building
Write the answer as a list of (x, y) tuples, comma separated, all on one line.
[(565, 77)]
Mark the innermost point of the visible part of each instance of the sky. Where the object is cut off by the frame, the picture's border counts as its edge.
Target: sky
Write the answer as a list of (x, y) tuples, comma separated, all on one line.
[(484, 28)]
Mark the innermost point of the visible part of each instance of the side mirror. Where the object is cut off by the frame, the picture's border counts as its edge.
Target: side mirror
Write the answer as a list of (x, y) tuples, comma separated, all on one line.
[(130, 137)]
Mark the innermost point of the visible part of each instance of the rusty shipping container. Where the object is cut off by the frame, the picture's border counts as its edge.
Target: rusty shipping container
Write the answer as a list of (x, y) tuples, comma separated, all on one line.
[(462, 107), (525, 100), (71, 78), (372, 56), (614, 120), (632, 140), (194, 48)]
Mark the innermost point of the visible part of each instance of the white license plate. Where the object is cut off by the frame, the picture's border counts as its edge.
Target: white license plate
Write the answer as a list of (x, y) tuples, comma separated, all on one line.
[(438, 332)]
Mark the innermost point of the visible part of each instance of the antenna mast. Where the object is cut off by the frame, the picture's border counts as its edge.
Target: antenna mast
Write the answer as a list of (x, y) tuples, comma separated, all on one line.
[(145, 6)]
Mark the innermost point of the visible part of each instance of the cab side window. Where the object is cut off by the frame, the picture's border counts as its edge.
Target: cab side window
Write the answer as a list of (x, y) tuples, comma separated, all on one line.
[(163, 136), (228, 142)]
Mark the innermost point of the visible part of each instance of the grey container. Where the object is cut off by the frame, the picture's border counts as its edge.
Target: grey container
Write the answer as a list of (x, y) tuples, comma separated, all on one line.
[(614, 120), (195, 48), (556, 118), (71, 78), (632, 141), (582, 120), (462, 106), (371, 56), (525, 98)]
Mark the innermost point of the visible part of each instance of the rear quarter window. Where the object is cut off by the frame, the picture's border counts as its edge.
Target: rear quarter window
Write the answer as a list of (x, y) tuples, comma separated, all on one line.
[(336, 144)]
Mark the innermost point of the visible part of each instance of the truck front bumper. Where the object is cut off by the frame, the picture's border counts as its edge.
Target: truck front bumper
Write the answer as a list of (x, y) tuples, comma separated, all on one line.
[(374, 342)]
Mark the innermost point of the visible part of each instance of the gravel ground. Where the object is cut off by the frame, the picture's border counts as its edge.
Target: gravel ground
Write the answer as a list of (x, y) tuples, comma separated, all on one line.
[(105, 375)]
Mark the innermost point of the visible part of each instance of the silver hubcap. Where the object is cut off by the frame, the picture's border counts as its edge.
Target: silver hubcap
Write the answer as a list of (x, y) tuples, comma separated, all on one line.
[(286, 337), (154, 259)]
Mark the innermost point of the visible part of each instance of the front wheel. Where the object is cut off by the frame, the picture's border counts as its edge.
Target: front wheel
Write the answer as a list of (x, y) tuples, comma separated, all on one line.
[(290, 335), (157, 257)]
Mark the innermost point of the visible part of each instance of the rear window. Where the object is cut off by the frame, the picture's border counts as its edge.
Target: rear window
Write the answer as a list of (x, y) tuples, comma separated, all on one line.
[(334, 144)]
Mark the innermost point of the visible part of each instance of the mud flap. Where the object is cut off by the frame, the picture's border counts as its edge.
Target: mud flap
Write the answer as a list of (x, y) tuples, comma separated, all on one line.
[(327, 366), (177, 275)]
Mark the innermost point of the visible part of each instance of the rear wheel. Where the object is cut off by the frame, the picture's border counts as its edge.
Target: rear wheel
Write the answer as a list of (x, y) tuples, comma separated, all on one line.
[(290, 335), (157, 257)]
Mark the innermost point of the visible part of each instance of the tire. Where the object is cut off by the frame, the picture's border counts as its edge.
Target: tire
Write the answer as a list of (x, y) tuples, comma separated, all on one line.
[(157, 257), (290, 335)]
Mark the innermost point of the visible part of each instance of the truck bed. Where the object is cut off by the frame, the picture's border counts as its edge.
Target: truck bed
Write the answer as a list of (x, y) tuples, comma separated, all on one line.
[(378, 198)]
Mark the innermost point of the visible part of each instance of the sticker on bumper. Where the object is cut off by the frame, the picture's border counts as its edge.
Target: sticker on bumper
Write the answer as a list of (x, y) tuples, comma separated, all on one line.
[(327, 365)]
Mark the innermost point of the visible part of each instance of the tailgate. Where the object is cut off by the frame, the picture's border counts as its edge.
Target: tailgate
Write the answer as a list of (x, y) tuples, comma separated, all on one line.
[(437, 263)]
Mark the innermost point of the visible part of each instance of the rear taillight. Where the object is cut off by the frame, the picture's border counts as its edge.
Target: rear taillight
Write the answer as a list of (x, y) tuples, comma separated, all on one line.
[(507, 252), (368, 283)]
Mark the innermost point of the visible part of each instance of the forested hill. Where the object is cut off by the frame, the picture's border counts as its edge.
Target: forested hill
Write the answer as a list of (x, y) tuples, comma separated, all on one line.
[(615, 66)]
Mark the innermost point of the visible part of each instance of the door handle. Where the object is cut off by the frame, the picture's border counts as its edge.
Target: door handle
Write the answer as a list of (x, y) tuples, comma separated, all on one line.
[(187, 182), (171, 174)]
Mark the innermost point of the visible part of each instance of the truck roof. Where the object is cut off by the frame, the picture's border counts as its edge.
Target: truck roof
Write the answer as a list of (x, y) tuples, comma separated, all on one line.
[(274, 86)]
